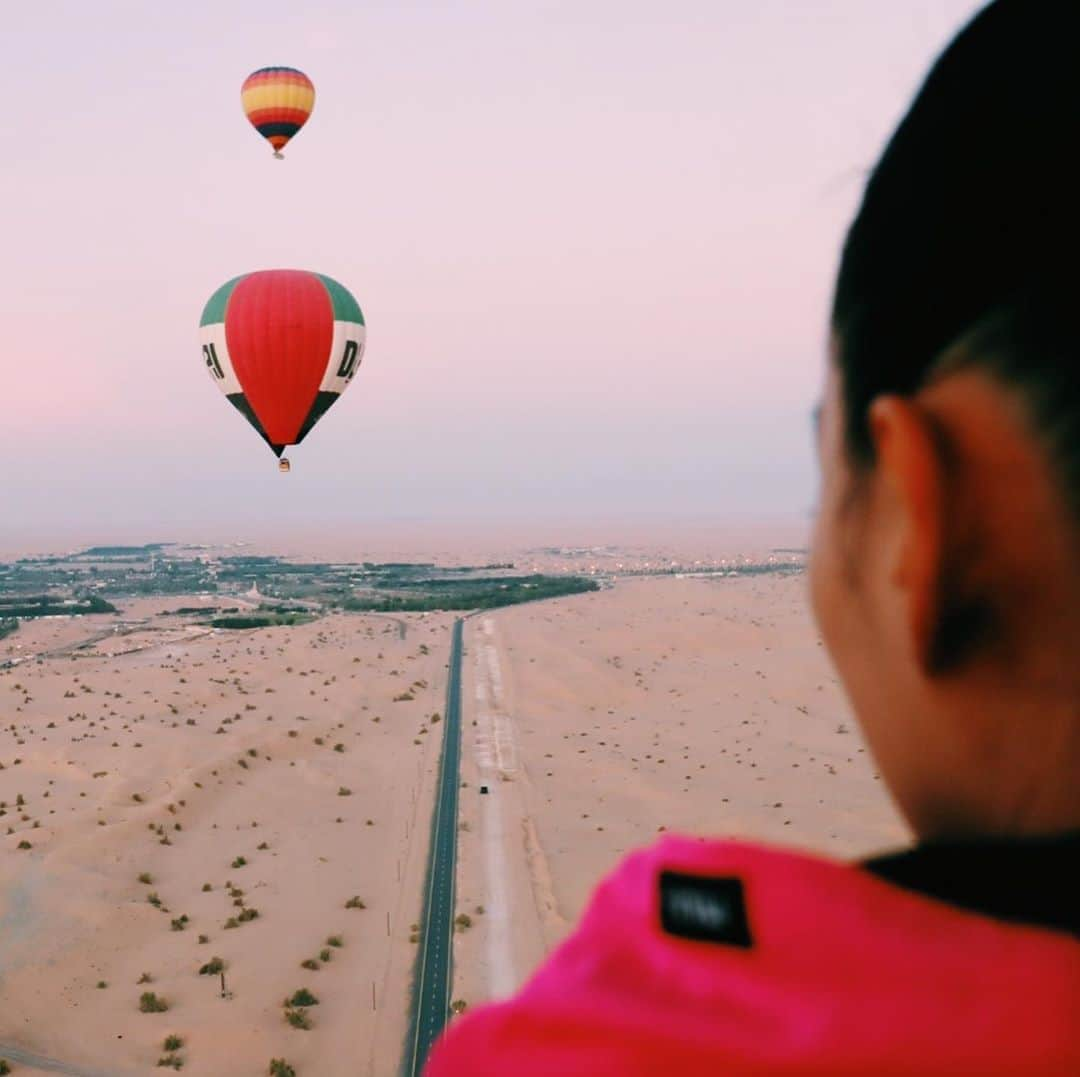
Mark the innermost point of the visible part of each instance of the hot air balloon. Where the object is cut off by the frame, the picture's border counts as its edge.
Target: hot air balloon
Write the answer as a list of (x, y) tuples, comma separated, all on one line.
[(282, 345), (278, 102)]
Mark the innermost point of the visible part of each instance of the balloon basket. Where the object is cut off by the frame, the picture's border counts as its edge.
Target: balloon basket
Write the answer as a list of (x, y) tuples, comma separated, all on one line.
[(278, 156), (284, 466)]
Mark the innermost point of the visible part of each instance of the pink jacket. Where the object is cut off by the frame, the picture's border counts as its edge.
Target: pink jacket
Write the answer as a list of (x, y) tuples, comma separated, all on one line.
[(731, 959)]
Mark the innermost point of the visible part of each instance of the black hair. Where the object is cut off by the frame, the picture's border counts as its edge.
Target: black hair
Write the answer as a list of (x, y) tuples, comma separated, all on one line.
[(966, 247)]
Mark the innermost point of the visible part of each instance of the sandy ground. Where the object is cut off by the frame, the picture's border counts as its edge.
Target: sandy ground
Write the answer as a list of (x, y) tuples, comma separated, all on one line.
[(210, 764), (697, 706), (269, 770)]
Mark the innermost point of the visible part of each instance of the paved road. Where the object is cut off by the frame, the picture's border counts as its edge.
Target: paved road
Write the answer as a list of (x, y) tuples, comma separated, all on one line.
[(402, 624), (59, 652), (39, 1063), (431, 989)]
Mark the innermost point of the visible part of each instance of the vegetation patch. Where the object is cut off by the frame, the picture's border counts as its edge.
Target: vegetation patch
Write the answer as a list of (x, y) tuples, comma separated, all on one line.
[(298, 1019), (28, 606), (477, 592), (262, 620)]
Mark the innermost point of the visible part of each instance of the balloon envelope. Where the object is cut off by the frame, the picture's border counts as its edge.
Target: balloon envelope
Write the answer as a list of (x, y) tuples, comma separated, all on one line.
[(278, 102), (282, 345)]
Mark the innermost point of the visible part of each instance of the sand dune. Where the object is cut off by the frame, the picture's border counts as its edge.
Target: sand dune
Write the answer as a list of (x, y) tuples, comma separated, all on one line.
[(171, 797), (703, 706), (223, 797)]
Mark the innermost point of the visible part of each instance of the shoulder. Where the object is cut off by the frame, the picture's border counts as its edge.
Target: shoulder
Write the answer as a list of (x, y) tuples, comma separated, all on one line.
[(724, 957)]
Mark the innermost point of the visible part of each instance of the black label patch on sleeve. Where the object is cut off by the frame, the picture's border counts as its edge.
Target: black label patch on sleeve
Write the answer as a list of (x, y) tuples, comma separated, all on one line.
[(704, 908)]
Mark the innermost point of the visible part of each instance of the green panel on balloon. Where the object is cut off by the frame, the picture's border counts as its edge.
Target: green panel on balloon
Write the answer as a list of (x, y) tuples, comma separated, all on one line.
[(346, 309), (214, 311)]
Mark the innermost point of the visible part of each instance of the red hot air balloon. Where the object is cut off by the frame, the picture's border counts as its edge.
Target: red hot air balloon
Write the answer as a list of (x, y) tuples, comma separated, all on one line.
[(282, 345)]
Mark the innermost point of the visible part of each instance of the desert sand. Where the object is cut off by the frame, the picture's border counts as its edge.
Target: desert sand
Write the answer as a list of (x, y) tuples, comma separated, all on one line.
[(161, 784), (175, 796), (699, 706)]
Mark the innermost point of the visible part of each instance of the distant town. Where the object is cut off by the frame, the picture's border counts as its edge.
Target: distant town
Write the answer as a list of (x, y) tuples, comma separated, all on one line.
[(248, 590)]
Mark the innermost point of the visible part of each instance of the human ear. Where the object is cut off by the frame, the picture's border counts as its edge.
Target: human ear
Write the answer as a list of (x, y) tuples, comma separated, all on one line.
[(911, 466)]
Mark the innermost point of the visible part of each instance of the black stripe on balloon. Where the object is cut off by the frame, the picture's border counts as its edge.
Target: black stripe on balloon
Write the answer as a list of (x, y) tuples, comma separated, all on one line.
[(318, 410), (239, 401), (268, 129)]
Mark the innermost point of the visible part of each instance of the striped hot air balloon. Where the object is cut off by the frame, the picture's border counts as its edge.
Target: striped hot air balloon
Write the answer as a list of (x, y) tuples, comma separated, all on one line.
[(282, 345), (278, 102)]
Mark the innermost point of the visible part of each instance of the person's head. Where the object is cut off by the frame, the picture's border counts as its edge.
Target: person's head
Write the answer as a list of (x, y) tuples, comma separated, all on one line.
[(946, 566)]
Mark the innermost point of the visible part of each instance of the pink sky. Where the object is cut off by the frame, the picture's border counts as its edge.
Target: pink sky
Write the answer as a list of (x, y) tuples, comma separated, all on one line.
[(593, 241)]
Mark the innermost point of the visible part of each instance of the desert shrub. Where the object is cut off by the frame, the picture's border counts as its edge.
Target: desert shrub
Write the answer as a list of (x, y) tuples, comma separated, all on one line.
[(212, 967), (325, 955), (239, 862), (172, 1043), (146, 878), (298, 1019), (279, 1068), (302, 997), (310, 963), (335, 940), (149, 1002), (355, 903)]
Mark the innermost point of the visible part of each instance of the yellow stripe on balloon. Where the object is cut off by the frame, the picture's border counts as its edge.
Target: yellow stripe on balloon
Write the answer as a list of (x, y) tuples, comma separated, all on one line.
[(300, 97), (281, 95)]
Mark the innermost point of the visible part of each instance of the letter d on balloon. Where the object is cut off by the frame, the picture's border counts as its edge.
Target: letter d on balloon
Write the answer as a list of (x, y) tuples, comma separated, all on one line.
[(349, 360)]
